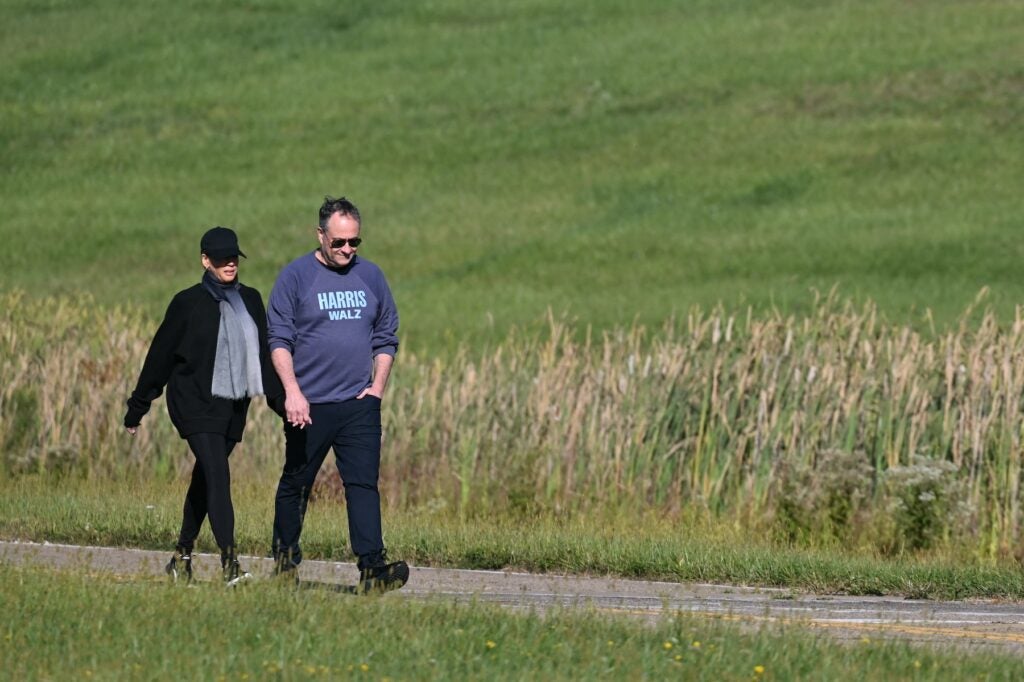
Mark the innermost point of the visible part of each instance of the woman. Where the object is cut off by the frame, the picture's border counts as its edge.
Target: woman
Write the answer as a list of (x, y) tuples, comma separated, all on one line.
[(211, 353)]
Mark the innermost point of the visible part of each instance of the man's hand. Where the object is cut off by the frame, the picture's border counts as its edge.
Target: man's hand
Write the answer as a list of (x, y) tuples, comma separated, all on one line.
[(370, 390), (296, 409), (381, 372), (132, 430)]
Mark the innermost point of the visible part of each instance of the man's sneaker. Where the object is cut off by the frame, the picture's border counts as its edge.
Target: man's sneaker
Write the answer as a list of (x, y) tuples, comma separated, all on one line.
[(233, 573), (383, 578), (180, 567), (285, 572)]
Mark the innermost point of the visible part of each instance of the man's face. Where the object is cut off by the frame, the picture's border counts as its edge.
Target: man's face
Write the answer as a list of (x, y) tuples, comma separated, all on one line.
[(335, 247), (224, 269)]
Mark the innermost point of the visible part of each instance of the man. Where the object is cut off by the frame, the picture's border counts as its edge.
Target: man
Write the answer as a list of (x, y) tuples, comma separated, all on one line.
[(332, 331)]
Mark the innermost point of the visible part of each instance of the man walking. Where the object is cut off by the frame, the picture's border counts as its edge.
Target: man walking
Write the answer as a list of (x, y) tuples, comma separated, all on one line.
[(332, 331)]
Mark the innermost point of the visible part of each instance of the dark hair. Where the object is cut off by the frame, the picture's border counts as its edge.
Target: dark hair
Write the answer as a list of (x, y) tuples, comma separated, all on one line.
[(342, 206)]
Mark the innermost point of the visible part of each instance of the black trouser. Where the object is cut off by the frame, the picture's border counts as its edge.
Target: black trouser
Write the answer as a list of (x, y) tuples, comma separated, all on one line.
[(353, 429), (209, 493)]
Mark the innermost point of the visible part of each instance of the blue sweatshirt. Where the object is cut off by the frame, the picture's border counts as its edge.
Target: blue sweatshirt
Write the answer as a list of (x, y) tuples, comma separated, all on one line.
[(333, 322)]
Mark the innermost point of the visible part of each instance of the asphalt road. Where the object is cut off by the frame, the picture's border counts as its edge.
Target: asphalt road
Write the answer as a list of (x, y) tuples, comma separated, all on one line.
[(986, 624)]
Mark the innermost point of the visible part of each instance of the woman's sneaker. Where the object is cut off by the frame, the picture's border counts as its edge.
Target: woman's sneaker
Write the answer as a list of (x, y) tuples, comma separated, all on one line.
[(180, 566), (233, 573)]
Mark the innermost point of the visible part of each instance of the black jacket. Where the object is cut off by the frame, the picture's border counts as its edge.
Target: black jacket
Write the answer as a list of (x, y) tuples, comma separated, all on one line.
[(181, 358)]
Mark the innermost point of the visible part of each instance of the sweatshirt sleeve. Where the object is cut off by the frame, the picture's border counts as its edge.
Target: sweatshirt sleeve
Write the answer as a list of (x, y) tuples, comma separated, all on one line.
[(281, 313), (385, 327), (156, 370), (272, 388)]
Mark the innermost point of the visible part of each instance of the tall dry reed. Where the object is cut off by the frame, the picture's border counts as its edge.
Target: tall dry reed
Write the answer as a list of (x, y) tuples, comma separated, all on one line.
[(705, 411)]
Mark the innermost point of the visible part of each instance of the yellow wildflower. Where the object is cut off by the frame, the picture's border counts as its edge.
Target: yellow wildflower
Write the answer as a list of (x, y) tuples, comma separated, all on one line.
[(759, 670), (490, 644), (667, 645)]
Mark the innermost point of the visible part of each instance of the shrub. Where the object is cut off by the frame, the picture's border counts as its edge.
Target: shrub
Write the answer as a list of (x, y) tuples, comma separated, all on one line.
[(926, 503), (824, 500)]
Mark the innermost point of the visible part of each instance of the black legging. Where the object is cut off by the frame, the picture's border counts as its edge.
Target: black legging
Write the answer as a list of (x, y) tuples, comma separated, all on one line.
[(209, 493)]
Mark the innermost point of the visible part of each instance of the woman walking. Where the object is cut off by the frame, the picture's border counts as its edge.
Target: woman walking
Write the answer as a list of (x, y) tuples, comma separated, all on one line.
[(211, 353)]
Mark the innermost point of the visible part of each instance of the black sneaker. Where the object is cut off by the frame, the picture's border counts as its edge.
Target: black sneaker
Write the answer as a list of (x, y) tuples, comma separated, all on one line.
[(285, 572), (180, 566), (383, 578), (233, 573)]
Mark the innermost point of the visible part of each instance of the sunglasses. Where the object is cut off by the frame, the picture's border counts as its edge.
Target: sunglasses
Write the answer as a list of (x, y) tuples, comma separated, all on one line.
[(354, 242)]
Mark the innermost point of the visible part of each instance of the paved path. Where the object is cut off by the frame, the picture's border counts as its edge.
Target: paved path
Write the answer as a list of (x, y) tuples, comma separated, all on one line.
[(978, 623)]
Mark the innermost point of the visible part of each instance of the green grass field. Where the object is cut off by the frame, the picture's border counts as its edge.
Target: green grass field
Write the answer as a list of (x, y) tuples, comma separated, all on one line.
[(694, 548), (618, 164), (614, 163), (68, 626)]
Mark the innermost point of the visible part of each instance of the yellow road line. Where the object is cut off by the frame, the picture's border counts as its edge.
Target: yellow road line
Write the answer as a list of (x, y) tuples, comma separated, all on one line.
[(895, 628)]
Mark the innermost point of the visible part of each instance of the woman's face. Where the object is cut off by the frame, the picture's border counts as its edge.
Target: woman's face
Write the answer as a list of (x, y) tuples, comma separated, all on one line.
[(224, 269)]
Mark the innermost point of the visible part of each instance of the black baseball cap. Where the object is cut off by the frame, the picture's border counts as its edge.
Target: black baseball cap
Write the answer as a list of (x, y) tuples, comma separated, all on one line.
[(220, 242)]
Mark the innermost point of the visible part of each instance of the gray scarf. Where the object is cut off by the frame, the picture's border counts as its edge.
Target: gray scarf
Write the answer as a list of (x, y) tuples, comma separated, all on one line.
[(236, 368)]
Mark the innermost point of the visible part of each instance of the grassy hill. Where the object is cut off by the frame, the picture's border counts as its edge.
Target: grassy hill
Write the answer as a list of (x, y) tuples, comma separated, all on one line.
[(611, 162)]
